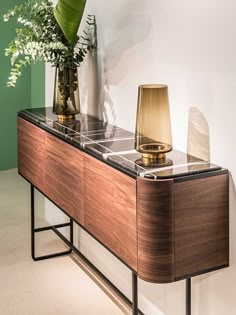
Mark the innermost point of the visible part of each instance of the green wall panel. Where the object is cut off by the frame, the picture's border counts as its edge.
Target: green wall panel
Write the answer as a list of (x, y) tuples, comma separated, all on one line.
[(38, 85), (28, 92)]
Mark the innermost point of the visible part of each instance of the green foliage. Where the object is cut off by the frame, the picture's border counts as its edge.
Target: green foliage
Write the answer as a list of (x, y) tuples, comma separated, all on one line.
[(68, 14), (40, 38)]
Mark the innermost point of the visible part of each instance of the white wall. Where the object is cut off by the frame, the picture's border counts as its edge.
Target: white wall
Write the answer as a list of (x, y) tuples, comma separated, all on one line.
[(190, 46)]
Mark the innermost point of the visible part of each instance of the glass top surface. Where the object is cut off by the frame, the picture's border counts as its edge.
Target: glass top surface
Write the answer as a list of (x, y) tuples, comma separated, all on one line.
[(114, 145)]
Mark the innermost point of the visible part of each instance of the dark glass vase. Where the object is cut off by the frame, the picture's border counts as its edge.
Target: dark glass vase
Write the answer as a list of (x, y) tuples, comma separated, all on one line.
[(153, 129), (66, 102)]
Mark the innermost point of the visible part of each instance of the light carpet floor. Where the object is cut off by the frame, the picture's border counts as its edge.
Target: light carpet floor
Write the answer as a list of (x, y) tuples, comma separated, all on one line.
[(58, 286)]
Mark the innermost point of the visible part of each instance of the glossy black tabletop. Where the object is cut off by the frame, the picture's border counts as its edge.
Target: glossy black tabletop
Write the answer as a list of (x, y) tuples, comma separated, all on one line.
[(113, 145)]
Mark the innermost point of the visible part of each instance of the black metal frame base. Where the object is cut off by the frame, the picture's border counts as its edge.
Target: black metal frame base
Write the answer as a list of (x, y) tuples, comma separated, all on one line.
[(47, 228), (188, 296), (134, 303)]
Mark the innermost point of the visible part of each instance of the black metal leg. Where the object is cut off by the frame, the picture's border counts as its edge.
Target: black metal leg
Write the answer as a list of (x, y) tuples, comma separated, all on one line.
[(71, 232), (32, 222), (188, 296), (135, 293), (34, 230)]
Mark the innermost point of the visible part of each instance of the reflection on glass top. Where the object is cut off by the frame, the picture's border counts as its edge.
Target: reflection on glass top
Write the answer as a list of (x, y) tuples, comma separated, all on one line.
[(113, 144)]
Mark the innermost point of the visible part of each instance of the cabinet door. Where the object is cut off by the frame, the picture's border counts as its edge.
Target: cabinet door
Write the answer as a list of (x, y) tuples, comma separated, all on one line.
[(53, 166), (31, 153), (201, 225), (110, 209)]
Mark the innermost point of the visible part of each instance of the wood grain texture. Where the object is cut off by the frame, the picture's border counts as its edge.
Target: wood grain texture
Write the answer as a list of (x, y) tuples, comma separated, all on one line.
[(110, 209), (155, 230), (53, 166), (31, 153), (173, 229), (201, 224)]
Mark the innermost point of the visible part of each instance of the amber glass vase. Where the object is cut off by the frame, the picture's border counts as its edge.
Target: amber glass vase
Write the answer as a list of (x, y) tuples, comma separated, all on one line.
[(153, 129), (66, 102)]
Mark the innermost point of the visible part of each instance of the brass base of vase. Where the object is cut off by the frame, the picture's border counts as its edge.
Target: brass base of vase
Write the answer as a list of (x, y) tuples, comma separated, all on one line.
[(154, 160), (64, 118)]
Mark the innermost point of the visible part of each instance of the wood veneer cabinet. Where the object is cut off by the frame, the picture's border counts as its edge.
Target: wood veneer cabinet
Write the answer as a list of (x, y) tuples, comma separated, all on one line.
[(165, 224), (183, 227)]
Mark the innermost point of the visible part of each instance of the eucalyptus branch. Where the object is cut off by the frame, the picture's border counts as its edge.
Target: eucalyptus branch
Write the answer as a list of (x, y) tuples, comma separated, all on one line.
[(40, 38)]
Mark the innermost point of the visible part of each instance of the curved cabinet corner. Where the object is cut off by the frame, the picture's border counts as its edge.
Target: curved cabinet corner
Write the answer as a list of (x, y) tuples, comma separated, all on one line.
[(155, 221)]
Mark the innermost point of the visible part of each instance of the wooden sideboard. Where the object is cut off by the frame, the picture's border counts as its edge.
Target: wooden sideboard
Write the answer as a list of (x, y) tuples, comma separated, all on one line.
[(165, 224)]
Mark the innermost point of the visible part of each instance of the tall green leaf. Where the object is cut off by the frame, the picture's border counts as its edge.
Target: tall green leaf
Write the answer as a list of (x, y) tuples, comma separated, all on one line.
[(68, 14)]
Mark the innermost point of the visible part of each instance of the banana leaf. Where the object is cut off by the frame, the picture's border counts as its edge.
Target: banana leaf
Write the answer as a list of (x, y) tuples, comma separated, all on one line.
[(68, 14)]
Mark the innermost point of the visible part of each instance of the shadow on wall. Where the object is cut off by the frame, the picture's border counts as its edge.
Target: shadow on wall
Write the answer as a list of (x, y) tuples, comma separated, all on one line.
[(198, 141), (94, 94), (88, 77), (101, 68), (129, 29)]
